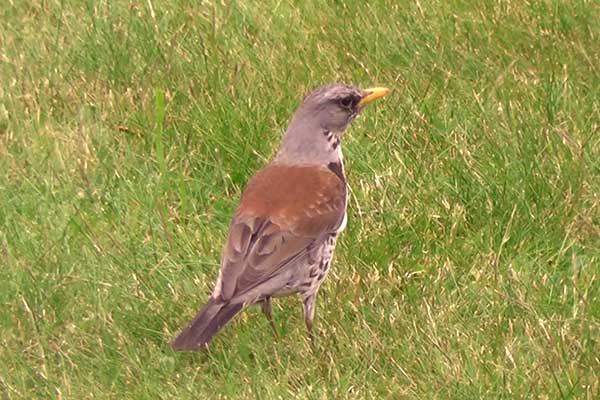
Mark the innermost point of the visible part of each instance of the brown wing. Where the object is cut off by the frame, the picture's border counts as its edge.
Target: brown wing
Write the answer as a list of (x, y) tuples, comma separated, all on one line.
[(283, 211)]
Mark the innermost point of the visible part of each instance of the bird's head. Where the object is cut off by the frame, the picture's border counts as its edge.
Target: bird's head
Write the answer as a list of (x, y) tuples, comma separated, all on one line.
[(333, 107), (323, 117)]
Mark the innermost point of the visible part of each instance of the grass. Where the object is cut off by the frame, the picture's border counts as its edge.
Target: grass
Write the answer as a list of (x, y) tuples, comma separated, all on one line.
[(469, 268)]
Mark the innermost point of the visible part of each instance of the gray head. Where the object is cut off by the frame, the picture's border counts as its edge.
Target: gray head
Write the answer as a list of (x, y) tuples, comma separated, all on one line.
[(313, 135)]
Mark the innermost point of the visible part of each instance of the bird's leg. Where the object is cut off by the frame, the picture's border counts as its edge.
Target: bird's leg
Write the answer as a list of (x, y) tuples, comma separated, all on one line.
[(265, 305), (309, 315)]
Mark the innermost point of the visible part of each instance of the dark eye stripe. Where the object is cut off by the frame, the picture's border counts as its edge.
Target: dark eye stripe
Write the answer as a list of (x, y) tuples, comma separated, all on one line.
[(349, 101), (346, 101)]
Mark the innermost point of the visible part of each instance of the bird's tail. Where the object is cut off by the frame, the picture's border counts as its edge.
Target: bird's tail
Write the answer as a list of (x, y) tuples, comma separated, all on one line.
[(209, 320)]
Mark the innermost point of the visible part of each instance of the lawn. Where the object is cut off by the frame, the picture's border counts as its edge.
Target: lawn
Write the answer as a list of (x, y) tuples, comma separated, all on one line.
[(470, 267)]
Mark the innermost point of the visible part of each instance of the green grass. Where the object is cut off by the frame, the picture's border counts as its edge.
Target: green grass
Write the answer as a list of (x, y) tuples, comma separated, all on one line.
[(470, 265)]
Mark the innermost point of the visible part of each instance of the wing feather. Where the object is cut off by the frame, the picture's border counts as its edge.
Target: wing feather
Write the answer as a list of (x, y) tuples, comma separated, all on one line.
[(282, 213)]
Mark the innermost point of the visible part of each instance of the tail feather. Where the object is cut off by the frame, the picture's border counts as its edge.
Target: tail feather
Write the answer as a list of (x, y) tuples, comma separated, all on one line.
[(209, 320)]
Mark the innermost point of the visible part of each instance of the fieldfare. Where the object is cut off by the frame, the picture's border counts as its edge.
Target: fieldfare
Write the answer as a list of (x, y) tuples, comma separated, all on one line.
[(284, 231)]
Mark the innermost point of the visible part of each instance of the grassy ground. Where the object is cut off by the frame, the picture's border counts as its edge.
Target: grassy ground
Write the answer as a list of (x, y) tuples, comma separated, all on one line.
[(470, 266)]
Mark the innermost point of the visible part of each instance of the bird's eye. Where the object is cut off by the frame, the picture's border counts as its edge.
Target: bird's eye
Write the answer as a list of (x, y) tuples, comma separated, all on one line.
[(347, 102)]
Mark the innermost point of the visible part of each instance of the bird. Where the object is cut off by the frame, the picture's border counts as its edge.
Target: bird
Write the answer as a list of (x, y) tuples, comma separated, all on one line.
[(284, 231)]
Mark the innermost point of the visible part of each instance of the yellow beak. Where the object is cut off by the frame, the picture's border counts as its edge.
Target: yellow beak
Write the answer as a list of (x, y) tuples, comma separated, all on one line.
[(373, 94)]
